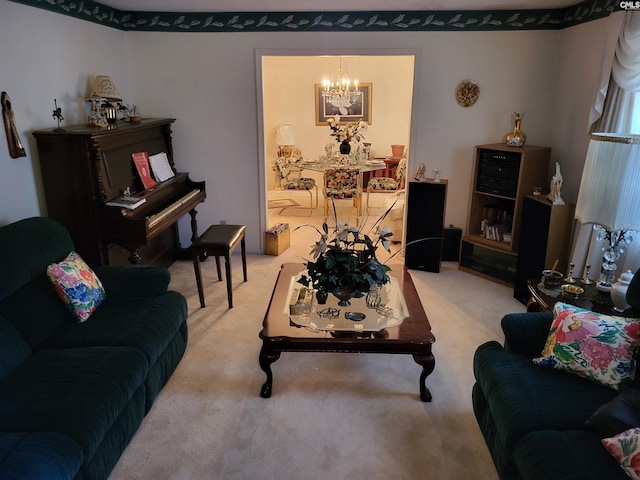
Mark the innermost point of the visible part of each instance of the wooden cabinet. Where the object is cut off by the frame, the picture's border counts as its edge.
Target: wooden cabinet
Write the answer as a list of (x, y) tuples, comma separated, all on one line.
[(502, 177), (425, 224), (545, 236)]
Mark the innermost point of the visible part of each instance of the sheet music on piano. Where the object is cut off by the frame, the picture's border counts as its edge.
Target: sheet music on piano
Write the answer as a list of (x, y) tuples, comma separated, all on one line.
[(160, 166)]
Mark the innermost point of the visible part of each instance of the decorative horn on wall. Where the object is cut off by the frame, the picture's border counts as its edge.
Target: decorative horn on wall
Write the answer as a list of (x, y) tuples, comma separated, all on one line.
[(13, 139)]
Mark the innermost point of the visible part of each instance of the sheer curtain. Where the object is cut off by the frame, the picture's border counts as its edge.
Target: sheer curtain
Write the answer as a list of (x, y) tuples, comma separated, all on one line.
[(616, 100)]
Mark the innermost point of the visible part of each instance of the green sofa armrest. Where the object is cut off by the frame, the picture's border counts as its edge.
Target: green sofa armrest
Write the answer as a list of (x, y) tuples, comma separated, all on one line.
[(526, 332), (133, 280)]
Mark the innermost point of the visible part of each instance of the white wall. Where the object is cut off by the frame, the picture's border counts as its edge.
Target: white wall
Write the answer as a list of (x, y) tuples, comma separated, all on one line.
[(215, 103), (208, 82), (46, 57)]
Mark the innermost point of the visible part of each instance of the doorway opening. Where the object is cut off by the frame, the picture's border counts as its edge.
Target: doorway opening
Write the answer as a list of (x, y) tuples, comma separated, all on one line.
[(288, 94)]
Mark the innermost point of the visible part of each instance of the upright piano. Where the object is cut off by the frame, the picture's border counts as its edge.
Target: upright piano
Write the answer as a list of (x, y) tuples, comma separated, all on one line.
[(84, 167)]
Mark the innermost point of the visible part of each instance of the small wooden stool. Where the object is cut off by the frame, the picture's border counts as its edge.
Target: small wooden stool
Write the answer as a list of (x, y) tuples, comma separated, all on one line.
[(219, 240)]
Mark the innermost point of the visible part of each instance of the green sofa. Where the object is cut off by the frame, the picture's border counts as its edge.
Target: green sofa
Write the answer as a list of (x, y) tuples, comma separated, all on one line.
[(72, 395), (540, 423)]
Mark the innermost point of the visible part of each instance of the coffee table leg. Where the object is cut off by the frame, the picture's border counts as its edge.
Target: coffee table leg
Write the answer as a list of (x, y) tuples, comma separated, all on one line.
[(428, 363), (267, 357)]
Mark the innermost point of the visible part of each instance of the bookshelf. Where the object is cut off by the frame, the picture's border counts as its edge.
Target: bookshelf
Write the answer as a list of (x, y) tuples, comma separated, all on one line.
[(502, 177)]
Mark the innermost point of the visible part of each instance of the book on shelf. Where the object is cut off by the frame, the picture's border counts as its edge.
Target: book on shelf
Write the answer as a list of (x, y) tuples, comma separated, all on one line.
[(127, 201), (141, 160)]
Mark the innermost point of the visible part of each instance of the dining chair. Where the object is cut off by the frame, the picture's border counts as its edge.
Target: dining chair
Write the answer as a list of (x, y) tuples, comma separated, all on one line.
[(298, 183), (342, 183), (388, 184)]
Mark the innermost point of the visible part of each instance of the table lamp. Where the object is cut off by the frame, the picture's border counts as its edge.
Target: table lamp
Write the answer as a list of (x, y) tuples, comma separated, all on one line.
[(609, 196), (103, 92), (285, 138)]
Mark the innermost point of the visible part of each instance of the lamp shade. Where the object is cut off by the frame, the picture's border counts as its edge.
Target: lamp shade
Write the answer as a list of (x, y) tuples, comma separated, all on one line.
[(104, 87), (610, 187), (285, 135)]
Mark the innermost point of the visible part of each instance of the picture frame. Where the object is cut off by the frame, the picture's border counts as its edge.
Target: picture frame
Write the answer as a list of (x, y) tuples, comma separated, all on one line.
[(361, 110)]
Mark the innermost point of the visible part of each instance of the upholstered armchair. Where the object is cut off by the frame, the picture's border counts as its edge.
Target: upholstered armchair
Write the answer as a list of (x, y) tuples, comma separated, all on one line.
[(298, 183), (342, 183), (387, 184)]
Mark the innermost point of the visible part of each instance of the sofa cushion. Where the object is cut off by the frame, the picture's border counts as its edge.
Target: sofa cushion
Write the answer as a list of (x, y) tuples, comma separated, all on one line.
[(77, 285), (79, 392), (570, 455), (620, 414), (28, 246), (39, 456), (625, 448), (144, 323), (133, 280), (35, 310), (595, 346), (523, 397), (13, 349)]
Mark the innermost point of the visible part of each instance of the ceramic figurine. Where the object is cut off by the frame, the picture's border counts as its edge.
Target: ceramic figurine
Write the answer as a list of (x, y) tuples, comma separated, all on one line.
[(619, 291), (57, 114), (556, 184)]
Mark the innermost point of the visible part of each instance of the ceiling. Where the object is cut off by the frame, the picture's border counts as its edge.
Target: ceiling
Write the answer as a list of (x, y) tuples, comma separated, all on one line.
[(329, 5)]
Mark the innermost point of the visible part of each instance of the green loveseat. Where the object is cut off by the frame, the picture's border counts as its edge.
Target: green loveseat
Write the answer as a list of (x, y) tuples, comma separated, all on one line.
[(539, 422), (72, 395)]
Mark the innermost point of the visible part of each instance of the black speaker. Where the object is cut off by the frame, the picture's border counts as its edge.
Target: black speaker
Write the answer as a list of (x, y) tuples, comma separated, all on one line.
[(425, 224), (451, 243)]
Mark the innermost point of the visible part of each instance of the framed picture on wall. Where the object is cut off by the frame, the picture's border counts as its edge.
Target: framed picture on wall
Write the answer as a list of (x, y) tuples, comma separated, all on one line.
[(350, 111)]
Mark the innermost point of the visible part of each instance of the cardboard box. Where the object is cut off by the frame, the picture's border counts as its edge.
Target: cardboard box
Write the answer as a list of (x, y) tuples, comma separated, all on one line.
[(277, 239)]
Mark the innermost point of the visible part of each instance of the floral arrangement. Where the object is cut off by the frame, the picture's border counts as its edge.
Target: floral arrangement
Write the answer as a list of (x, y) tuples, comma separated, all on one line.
[(345, 132), (345, 258)]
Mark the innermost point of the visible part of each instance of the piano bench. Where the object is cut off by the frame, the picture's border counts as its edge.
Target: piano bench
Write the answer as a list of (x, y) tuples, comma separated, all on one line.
[(219, 241)]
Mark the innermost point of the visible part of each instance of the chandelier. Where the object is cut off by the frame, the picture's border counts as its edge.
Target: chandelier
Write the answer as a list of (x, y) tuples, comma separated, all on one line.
[(340, 87)]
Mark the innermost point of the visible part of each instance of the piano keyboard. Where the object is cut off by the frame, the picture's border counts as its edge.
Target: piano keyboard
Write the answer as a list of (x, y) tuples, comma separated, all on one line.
[(153, 220)]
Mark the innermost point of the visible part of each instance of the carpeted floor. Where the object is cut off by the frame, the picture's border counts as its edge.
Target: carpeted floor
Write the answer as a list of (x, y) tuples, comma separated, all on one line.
[(332, 415)]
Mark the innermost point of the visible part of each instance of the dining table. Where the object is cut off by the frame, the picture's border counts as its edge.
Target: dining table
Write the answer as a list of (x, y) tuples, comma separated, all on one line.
[(368, 168)]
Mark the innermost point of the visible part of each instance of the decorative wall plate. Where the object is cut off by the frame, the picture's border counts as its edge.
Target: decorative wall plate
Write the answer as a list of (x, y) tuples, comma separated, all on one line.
[(467, 93)]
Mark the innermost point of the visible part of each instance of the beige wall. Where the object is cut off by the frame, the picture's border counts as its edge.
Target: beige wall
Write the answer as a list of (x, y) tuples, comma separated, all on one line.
[(211, 83)]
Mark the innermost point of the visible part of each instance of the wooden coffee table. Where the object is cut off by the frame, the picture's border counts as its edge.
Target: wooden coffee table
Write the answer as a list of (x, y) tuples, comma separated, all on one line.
[(412, 337)]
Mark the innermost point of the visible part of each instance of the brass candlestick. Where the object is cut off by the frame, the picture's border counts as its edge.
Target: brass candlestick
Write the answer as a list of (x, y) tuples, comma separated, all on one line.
[(585, 279), (569, 278)]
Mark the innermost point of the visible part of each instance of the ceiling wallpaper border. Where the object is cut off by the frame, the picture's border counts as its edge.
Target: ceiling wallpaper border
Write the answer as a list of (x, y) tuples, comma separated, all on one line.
[(382, 21)]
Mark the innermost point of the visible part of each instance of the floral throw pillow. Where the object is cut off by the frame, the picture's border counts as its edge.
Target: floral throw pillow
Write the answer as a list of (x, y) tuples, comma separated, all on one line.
[(625, 448), (77, 285), (599, 347)]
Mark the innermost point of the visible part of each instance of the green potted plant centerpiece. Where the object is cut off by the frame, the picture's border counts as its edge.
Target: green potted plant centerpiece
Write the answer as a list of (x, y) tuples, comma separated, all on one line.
[(344, 261)]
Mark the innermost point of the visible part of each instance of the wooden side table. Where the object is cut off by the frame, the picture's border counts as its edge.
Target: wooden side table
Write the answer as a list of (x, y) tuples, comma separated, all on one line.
[(543, 299)]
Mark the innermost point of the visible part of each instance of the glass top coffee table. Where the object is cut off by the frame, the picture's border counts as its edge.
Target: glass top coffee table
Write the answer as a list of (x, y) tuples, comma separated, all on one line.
[(407, 331)]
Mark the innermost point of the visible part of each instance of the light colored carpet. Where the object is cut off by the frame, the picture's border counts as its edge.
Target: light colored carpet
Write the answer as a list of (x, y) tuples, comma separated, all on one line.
[(332, 415)]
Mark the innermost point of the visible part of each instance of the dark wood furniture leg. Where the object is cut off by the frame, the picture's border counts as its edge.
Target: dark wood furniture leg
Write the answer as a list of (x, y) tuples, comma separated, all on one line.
[(267, 357), (196, 268), (428, 363)]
